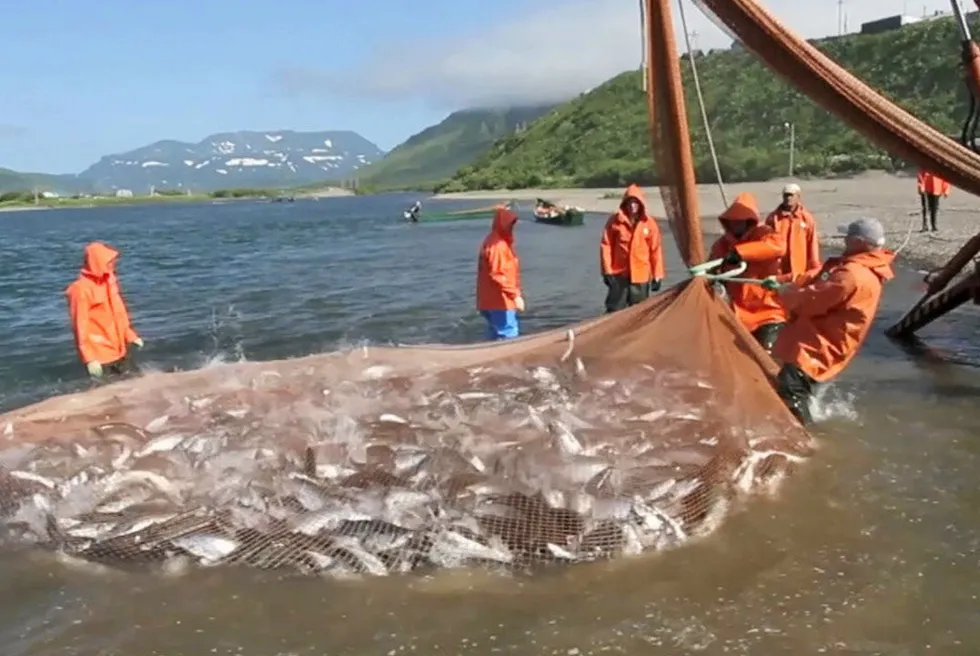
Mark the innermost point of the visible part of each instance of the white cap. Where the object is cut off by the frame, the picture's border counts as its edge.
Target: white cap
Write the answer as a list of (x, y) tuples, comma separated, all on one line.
[(791, 188), (867, 229)]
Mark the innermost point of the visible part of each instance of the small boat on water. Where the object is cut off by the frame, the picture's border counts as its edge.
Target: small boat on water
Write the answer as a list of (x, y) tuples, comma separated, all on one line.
[(547, 212)]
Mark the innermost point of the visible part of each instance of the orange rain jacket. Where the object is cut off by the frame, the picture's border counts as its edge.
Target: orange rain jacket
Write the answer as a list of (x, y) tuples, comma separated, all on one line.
[(634, 250), (762, 249), (498, 273), (798, 229), (930, 183), (99, 317), (831, 310)]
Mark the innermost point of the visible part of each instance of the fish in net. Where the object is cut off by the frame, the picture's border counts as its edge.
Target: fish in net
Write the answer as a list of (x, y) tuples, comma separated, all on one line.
[(631, 433)]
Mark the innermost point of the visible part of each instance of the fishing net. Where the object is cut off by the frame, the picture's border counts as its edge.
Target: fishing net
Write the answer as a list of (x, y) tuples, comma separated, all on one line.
[(628, 433)]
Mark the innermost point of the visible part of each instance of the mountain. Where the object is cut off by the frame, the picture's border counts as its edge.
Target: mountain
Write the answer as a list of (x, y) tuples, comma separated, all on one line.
[(279, 158), (16, 181), (602, 138), (437, 152)]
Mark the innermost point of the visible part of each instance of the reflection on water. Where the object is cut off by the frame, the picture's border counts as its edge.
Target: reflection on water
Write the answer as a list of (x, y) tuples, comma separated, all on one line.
[(872, 549)]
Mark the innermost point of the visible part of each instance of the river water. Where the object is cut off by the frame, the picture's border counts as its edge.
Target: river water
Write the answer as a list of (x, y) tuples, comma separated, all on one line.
[(872, 548)]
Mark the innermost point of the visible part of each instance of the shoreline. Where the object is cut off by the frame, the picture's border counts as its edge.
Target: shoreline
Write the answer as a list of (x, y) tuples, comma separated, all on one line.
[(892, 199)]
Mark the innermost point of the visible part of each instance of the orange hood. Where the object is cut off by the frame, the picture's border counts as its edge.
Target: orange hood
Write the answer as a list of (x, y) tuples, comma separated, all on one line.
[(503, 223), (743, 208), (99, 259), (878, 260), (634, 191)]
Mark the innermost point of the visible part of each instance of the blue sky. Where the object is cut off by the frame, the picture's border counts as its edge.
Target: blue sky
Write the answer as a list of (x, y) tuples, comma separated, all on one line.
[(86, 78)]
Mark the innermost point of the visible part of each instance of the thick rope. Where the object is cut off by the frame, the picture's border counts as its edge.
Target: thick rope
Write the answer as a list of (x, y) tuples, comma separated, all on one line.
[(702, 271), (704, 112)]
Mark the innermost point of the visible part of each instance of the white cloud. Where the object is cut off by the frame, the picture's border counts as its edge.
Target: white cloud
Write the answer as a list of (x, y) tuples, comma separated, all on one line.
[(556, 52)]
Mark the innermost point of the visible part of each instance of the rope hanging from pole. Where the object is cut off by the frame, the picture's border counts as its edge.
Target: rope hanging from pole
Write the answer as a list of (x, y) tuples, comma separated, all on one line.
[(704, 111), (644, 63)]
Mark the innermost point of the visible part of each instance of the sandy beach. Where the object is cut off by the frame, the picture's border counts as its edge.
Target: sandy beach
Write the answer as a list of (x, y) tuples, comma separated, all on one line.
[(892, 199)]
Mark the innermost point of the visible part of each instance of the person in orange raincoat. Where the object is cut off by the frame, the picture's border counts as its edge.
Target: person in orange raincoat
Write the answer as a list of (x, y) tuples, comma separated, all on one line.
[(931, 188), (631, 253), (831, 310), (762, 250), (99, 317), (798, 230), (498, 278)]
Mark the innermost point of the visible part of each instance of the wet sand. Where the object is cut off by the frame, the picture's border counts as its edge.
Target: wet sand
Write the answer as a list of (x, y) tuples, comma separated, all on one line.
[(892, 199)]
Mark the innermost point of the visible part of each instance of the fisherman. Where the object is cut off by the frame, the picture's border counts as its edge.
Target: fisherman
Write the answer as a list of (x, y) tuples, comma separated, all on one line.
[(99, 317), (931, 187), (498, 278), (762, 250), (631, 253), (798, 229), (413, 212), (830, 313)]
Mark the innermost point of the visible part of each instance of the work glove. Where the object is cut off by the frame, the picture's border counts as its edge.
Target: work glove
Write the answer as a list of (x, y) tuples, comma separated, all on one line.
[(94, 369), (732, 259), (138, 342), (519, 303), (655, 285), (606, 280), (772, 284)]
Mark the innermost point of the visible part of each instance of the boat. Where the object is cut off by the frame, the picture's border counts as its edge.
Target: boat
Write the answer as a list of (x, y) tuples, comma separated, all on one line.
[(552, 214)]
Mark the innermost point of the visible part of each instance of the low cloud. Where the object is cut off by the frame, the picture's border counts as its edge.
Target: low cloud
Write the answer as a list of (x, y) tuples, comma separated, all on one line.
[(548, 55)]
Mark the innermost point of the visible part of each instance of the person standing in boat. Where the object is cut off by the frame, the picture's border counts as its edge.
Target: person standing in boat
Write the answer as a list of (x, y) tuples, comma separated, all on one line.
[(761, 248), (498, 278), (99, 318), (931, 189), (798, 229), (830, 310), (631, 253)]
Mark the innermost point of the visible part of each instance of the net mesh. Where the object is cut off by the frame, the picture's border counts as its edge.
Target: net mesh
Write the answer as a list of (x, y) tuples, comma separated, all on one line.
[(629, 433)]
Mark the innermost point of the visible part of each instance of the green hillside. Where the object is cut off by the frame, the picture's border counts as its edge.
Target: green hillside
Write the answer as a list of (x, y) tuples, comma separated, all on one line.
[(437, 152), (16, 181), (601, 138)]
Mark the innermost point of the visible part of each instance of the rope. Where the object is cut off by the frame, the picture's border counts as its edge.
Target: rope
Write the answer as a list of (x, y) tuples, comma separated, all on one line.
[(643, 43), (701, 271), (704, 112)]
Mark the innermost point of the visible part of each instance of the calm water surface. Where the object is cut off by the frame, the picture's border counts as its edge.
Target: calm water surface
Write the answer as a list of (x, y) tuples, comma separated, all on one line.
[(873, 548)]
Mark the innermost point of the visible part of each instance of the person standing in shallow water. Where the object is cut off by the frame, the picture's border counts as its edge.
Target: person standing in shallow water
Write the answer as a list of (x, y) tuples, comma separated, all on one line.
[(99, 318), (931, 188), (631, 253), (830, 310), (499, 298)]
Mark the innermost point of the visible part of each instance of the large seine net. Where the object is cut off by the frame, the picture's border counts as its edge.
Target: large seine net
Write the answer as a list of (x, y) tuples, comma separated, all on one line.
[(630, 433)]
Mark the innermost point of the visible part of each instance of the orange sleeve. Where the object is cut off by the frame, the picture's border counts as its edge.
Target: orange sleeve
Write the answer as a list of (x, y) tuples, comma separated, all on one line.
[(605, 249), (819, 297), (657, 251), (813, 260), (130, 335), (920, 181), (719, 249), (78, 312), (499, 261), (770, 247)]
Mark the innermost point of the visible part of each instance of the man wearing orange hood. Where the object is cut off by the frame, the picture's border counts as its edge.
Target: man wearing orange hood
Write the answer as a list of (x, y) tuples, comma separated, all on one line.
[(931, 188), (498, 278), (631, 253), (762, 250), (98, 314), (831, 310)]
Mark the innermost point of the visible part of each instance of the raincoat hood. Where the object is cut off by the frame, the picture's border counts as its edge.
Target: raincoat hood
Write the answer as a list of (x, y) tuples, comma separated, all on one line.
[(878, 260), (743, 208), (633, 191), (98, 260), (503, 223)]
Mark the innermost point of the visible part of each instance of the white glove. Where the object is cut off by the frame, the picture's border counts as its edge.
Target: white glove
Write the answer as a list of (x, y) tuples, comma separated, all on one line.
[(94, 369), (519, 303), (138, 342)]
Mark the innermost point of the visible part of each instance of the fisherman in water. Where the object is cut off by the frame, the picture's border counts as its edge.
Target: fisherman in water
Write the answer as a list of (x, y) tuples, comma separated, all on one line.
[(798, 230), (831, 310), (498, 278), (99, 318), (414, 211), (761, 248), (631, 253)]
